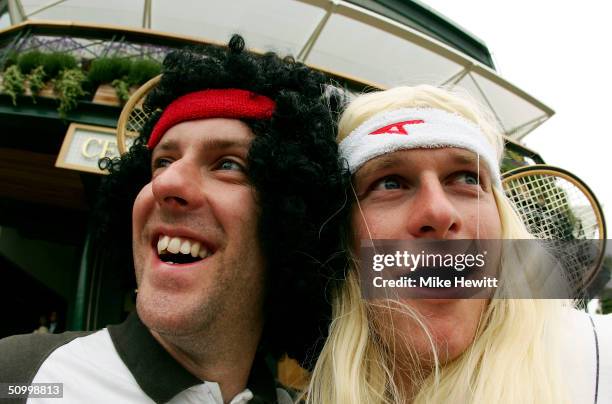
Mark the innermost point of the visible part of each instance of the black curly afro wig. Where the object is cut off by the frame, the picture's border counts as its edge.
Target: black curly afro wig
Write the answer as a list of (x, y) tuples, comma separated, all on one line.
[(294, 166)]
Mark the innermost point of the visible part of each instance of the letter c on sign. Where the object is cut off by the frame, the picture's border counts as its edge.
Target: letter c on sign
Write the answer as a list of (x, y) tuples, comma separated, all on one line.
[(85, 150)]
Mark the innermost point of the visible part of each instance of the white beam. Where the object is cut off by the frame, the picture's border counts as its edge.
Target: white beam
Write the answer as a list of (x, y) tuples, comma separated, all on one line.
[(16, 11), (305, 51), (43, 8)]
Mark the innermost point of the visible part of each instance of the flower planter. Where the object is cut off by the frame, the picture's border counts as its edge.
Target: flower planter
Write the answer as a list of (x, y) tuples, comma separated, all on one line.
[(47, 91), (106, 95)]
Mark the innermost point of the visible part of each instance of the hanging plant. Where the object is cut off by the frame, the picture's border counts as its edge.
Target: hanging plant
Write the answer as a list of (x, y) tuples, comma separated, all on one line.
[(122, 89), (36, 79), (69, 88), (35, 73), (13, 83), (512, 160)]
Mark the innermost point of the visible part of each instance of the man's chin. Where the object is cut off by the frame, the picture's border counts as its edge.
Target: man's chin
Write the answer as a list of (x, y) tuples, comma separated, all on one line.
[(169, 318)]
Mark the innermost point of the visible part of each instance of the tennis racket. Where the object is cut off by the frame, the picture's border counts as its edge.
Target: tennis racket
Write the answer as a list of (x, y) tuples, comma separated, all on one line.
[(554, 204), (134, 115)]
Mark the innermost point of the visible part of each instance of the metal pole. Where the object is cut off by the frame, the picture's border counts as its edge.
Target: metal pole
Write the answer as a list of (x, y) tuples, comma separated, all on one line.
[(305, 51), (16, 12), (80, 318), (43, 8), (146, 14)]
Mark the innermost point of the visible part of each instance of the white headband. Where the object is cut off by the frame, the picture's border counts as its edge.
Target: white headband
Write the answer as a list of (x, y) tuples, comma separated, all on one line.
[(415, 128)]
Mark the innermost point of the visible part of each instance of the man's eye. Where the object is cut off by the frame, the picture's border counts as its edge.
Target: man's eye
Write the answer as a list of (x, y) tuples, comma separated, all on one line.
[(468, 178), (161, 162), (387, 183), (230, 165)]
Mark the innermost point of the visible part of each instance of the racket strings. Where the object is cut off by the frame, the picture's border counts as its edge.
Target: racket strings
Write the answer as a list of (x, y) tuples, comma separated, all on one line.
[(553, 208), (136, 121), (137, 118), (557, 210)]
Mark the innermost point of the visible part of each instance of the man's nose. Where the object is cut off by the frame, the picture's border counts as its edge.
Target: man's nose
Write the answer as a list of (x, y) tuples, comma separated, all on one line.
[(432, 214), (179, 186)]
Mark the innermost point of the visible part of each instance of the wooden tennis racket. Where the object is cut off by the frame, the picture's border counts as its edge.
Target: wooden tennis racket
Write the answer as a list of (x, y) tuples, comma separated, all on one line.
[(134, 115), (554, 204)]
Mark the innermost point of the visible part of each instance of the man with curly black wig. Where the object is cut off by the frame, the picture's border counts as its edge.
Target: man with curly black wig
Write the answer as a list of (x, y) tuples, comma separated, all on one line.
[(234, 191)]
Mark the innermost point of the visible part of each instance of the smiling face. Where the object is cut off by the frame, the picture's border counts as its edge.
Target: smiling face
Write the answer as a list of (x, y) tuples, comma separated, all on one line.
[(197, 259), (434, 194)]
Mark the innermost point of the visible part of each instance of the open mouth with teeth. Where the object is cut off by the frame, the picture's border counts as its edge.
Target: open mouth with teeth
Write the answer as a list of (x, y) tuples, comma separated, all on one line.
[(180, 250)]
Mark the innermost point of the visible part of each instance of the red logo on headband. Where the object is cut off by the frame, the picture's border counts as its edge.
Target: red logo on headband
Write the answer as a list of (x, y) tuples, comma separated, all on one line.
[(396, 128)]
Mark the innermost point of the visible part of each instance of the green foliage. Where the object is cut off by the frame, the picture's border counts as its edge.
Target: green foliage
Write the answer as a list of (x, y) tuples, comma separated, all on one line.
[(606, 305), (512, 160), (55, 62), (69, 88), (37, 80), (13, 82), (122, 89), (143, 70), (10, 59), (35, 67), (28, 61), (105, 70), (602, 279)]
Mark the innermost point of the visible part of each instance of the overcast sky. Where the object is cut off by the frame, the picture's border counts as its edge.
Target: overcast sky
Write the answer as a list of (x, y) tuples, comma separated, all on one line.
[(560, 52)]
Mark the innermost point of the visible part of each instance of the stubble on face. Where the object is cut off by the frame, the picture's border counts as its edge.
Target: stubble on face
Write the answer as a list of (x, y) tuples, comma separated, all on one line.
[(225, 291), (238, 283)]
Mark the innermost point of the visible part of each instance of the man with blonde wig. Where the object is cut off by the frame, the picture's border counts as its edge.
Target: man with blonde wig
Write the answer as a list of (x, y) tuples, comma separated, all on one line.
[(425, 165)]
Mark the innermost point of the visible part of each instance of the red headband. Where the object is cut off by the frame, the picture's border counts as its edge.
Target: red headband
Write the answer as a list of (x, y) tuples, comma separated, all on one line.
[(218, 103)]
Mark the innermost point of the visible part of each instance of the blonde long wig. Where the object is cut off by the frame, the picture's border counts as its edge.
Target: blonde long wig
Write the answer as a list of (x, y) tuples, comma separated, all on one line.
[(514, 358)]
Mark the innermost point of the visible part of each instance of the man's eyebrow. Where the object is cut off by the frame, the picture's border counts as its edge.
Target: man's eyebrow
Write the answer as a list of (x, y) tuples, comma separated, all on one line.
[(387, 162), (471, 159), (381, 163), (223, 143), (214, 144), (465, 158), (167, 145)]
